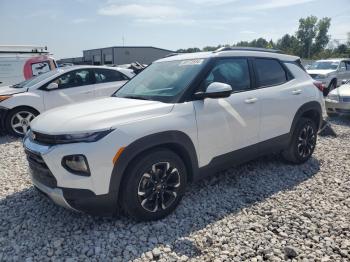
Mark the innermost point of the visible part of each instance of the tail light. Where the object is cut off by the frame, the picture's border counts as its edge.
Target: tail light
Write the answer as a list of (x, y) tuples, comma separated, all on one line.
[(319, 85)]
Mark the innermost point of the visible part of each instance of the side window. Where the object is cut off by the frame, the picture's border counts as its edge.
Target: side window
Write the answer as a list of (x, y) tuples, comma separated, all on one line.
[(269, 72), (347, 64), (342, 66), (107, 75), (234, 72), (74, 78)]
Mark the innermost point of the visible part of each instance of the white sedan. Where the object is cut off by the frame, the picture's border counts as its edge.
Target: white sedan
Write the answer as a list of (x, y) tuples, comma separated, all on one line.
[(21, 103)]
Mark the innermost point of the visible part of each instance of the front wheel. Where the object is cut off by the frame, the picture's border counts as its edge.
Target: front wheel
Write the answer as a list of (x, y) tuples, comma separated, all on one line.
[(303, 142), (18, 121), (154, 185)]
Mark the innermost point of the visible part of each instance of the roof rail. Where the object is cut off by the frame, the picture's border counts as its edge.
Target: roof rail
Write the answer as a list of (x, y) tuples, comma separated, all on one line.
[(171, 54), (269, 50)]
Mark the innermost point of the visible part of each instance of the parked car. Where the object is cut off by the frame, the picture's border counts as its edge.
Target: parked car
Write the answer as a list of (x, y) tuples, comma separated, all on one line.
[(20, 103), (181, 118), (330, 72), (19, 63), (338, 100)]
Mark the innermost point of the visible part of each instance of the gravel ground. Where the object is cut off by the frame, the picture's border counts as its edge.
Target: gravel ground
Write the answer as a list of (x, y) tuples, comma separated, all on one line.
[(263, 210)]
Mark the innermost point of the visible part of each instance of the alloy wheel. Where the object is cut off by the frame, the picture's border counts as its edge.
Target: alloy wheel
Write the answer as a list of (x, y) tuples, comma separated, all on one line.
[(306, 141), (158, 187), (20, 122)]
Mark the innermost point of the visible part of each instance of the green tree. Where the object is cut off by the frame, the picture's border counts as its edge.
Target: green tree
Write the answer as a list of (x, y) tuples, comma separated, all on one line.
[(322, 38), (305, 34)]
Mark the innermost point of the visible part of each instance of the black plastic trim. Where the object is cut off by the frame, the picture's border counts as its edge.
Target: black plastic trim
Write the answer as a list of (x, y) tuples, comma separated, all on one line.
[(312, 106), (176, 140), (240, 156)]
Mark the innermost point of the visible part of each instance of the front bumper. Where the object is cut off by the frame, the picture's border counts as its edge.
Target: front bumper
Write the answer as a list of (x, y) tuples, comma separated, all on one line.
[(335, 107), (55, 194), (49, 180)]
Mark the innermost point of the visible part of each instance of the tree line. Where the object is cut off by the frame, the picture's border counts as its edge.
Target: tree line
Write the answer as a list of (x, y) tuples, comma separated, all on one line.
[(311, 41)]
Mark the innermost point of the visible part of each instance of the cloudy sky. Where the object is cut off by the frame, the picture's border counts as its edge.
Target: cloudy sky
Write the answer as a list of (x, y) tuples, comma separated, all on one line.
[(69, 26)]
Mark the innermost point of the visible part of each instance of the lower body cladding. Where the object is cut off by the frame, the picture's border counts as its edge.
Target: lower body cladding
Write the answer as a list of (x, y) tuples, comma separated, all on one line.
[(68, 190), (338, 107)]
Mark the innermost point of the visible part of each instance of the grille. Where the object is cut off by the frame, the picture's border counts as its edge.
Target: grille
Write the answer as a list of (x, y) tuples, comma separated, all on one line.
[(40, 170), (344, 111), (346, 99)]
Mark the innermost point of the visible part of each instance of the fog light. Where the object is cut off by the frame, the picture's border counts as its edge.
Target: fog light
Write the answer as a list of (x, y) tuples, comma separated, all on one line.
[(76, 164)]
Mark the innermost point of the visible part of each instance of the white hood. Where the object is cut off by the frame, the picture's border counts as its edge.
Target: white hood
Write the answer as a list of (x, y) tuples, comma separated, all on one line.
[(343, 90), (320, 71), (8, 90), (97, 115)]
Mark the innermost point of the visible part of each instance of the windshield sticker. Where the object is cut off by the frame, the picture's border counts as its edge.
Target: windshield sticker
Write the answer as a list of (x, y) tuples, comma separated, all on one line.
[(191, 62)]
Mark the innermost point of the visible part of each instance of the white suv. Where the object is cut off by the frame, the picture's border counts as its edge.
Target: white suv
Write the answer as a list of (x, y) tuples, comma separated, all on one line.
[(183, 117), (20, 103)]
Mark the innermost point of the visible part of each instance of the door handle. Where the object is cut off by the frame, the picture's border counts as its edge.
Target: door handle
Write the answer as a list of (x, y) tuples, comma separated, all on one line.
[(296, 92), (88, 92), (251, 100)]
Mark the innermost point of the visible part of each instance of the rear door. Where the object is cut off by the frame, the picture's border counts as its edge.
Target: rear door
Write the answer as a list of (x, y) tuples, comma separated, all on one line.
[(280, 97), (108, 81), (73, 86)]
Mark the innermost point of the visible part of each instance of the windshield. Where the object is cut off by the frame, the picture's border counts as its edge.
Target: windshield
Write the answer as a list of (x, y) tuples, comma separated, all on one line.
[(36, 79), (162, 81), (324, 65)]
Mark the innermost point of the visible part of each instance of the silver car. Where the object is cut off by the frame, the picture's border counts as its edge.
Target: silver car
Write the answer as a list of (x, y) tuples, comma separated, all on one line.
[(338, 101), (331, 72)]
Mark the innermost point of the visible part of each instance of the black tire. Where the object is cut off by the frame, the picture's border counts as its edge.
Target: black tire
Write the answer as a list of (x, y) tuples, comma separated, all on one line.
[(10, 120), (164, 192), (303, 142)]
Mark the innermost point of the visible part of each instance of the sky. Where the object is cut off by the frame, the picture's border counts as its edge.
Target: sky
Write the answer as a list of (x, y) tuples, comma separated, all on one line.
[(67, 27)]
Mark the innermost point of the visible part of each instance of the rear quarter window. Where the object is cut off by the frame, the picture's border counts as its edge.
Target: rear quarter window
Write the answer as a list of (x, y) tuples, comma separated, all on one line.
[(269, 72)]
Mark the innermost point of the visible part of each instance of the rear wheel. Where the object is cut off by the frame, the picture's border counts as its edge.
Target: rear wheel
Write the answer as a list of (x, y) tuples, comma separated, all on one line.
[(303, 142), (18, 121), (154, 185)]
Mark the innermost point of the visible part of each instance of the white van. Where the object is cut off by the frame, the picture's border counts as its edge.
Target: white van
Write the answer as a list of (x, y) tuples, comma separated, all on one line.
[(19, 63)]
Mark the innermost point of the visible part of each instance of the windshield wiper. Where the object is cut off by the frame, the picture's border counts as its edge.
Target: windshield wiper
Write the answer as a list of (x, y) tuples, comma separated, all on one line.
[(136, 97)]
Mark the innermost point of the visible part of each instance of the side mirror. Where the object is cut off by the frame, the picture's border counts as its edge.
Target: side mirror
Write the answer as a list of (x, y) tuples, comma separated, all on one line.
[(52, 85), (215, 90)]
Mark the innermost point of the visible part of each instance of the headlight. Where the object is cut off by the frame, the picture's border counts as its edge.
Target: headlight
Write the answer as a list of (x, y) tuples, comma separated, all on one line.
[(76, 164), (2, 98), (69, 138), (333, 97)]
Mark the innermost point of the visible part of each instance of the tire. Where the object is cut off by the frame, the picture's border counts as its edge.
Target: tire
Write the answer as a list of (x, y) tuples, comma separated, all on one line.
[(164, 194), (17, 121), (303, 142)]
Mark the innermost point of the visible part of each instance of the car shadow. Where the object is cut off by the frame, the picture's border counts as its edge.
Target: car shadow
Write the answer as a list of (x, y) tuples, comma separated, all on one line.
[(4, 139), (28, 217)]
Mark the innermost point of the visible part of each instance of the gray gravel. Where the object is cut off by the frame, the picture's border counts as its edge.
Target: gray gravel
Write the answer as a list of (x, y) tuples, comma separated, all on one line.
[(263, 210)]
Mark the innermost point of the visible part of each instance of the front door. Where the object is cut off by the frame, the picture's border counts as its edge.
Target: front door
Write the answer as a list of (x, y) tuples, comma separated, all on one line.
[(227, 124), (74, 86)]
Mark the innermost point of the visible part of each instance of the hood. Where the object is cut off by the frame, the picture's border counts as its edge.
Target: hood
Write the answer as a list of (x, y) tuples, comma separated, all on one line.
[(343, 90), (320, 71), (97, 115), (8, 90)]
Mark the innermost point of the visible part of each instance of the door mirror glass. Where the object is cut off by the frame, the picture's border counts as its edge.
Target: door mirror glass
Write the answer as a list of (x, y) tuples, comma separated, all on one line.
[(52, 86), (215, 90)]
